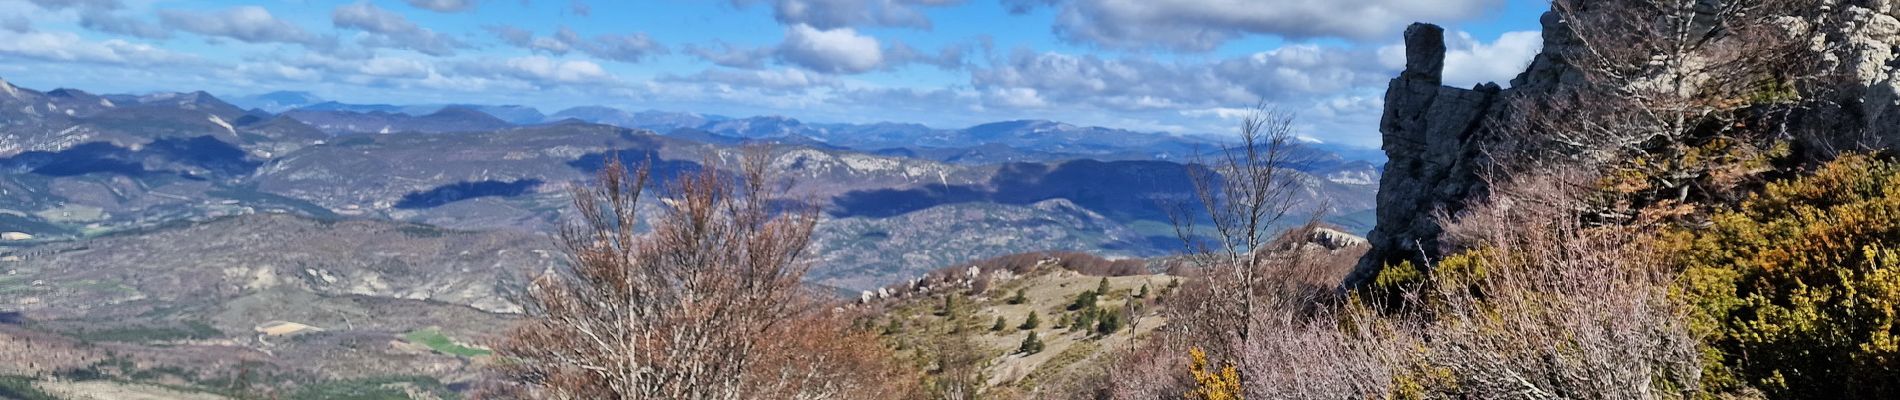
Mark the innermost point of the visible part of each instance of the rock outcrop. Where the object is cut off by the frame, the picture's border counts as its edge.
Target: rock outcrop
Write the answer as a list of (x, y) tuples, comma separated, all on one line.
[(1432, 141), (1436, 137)]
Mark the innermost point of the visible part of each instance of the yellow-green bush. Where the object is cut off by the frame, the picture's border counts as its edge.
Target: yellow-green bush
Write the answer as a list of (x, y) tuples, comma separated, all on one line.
[(1797, 292)]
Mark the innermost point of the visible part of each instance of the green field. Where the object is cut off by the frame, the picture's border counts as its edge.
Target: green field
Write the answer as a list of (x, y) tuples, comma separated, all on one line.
[(435, 340)]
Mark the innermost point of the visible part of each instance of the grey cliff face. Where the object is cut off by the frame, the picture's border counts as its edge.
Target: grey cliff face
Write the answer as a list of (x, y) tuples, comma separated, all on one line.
[(1436, 137), (1431, 137)]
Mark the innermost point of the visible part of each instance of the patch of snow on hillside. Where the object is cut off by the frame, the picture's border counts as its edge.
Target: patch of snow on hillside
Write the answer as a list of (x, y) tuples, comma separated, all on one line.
[(220, 121)]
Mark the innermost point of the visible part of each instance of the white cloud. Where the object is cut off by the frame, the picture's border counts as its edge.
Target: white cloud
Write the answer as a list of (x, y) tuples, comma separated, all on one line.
[(109, 22), (629, 48), (446, 6), (727, 55), (86, 4), (547, 70), (16, 24), (392, 30), (778, 81), (389, 67), (1202, 25), (948, 58), (251, 24), (1469, 61), (68, 47), (1018, 97), (278, 71), (833, 14), (835, 51)]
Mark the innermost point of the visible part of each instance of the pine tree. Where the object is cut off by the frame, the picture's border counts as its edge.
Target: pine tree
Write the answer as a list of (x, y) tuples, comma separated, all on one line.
[(1084, 320), (1101, 289), (1000, 324), (1084, 301), (1031, 322), (1109, 323), (1144, 292), (1019, 298), (1031, 345)]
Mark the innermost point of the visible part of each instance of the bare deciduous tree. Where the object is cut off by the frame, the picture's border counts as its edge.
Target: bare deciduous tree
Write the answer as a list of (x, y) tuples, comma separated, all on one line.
[(1680, 99), (701, 305), (1246, 194)]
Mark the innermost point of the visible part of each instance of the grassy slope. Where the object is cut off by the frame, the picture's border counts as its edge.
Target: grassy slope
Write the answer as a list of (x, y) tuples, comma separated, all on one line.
[(1048, 293)]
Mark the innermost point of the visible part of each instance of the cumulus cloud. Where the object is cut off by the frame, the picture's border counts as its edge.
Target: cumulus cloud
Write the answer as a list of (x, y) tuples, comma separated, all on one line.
[(83, 4), (1469, 61), (17, 24), (629, 48), (250, 24), (541, 70), (108, 22), (949, 58), (447, 6), (102, 16), (833, 14), (776, 81), (389, 29), (68, 47), (727, 55), (559, 44), (1202, 25), (840, 50)]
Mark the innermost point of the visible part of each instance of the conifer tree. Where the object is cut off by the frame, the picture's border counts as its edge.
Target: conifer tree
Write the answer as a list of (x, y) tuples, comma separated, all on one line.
[(1031, 345)]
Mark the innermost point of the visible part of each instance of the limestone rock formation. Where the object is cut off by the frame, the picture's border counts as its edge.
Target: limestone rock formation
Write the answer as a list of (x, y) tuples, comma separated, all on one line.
[(1437, 138), (1431, 137)]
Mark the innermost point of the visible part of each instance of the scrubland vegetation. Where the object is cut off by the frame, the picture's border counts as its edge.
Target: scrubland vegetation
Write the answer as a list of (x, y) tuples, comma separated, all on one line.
[(1663, 227)]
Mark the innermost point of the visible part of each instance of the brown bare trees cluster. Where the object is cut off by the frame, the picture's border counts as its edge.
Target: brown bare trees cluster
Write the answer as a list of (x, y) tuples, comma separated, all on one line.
[(1263, 301), (701, 301), (1675, 101)]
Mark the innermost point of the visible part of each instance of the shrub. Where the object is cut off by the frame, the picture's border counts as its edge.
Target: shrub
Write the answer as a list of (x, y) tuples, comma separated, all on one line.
[(1000, 324), (1031, 345), (20, 387), (1210, 384), (1796, 291), (1084, 320), (1018, 298), (1108, 323), (1084, 301), (1030, 322)]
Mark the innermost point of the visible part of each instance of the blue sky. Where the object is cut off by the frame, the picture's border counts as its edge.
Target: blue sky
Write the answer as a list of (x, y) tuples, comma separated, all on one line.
[(1177, 66)]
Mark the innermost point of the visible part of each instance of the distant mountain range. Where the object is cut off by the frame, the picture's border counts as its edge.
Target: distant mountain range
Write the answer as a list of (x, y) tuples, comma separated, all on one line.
[(901, 198), (1006, 141)]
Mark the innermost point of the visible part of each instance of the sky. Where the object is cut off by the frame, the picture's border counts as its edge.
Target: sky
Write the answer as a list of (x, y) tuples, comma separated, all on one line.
[(1170, 66)]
